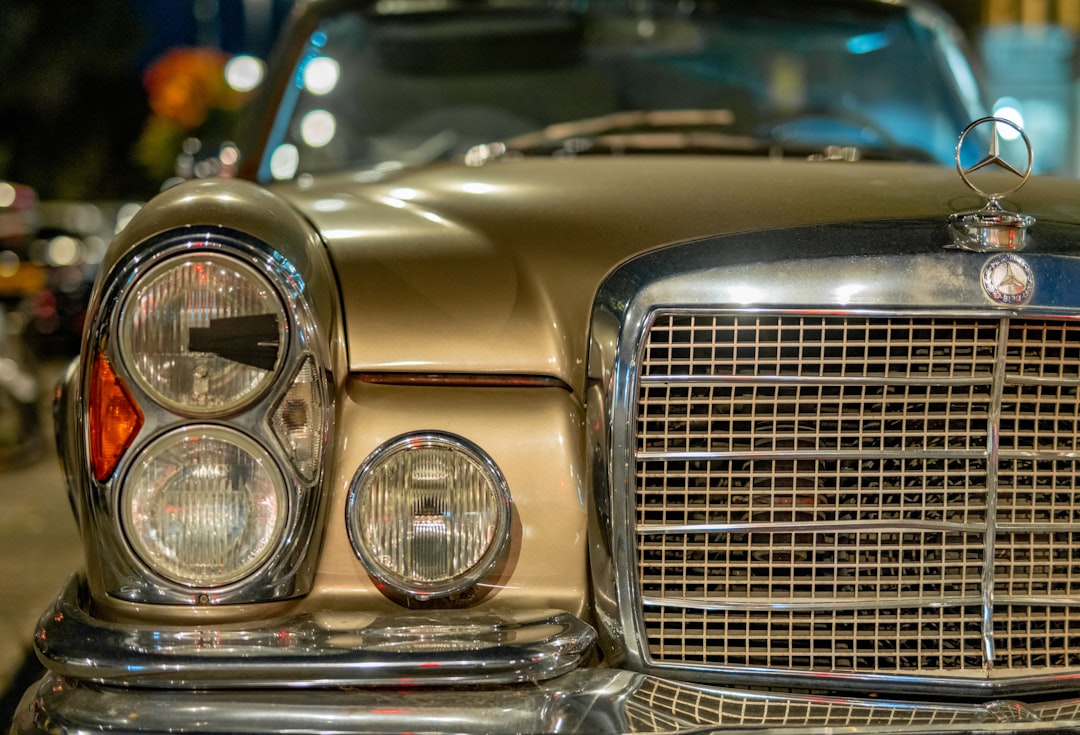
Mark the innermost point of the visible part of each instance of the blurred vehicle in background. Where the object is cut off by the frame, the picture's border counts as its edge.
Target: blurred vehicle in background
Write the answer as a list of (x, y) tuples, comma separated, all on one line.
[(20, 216), (65, 252), (585, 367), (21, 434), (20, 280)]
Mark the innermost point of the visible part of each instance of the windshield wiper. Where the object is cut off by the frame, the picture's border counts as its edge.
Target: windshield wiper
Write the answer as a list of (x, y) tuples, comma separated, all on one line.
[(623, 123), (668, 131)]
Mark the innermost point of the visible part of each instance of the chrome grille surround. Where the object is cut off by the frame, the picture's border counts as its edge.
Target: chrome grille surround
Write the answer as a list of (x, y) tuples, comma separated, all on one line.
[(839, 495)]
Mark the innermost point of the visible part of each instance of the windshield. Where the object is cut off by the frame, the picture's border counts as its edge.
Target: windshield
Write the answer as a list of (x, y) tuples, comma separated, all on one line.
[(377, 88)]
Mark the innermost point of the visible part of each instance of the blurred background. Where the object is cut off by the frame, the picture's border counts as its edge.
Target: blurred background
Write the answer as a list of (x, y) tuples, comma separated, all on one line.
[(75, 102), (99, 104)]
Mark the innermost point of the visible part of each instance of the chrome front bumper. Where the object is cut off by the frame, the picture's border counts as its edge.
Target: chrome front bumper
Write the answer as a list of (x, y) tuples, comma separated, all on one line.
[(311, 650), (449, 672)]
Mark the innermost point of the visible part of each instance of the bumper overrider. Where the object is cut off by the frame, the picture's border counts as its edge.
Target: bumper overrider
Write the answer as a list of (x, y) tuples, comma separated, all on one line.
[(455, 671)]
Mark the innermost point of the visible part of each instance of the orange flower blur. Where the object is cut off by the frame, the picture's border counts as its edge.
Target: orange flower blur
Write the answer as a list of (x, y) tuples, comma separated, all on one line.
[(186, 84), (189, 99)]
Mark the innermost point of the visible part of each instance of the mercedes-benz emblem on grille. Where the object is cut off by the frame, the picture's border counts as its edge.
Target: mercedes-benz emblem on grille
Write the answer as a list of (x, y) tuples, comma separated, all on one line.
[(1007, 279), (992, 227)]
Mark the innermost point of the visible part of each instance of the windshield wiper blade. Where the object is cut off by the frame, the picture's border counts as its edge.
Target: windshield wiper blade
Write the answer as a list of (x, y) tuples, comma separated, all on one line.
[(670, 131), (626, 121), (661, 142)]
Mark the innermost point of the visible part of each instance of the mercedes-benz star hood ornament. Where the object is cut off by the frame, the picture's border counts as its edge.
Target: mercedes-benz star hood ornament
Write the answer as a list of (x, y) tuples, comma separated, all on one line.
[(992, 227)]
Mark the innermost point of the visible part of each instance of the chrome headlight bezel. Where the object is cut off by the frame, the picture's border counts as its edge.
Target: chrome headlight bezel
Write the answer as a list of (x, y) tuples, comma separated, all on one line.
[(498, 503), (303, 360), (140, 311), (183, 497)]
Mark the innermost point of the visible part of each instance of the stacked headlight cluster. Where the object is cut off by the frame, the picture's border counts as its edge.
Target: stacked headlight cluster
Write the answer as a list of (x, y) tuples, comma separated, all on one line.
[(208, 408)]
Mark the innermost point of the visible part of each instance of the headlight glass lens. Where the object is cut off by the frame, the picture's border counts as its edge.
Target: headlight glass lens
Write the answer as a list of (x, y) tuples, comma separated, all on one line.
[(203, 334), (204, 506), (429, 514)]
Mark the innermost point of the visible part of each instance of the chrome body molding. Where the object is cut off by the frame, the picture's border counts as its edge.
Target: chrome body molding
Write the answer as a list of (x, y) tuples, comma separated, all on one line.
[(838, 272), (409, 649), (595, 701)]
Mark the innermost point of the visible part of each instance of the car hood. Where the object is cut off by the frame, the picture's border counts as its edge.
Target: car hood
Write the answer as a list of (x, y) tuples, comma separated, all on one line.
[(493, 269)]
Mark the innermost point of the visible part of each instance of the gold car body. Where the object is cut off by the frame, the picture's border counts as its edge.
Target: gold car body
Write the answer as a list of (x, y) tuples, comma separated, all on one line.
[(508, 305)]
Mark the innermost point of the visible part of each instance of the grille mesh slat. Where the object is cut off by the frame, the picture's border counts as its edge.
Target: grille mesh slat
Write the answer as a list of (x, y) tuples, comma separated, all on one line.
[(809, 567), (767, 418), (813, 493), (821, 347), (949, 639)]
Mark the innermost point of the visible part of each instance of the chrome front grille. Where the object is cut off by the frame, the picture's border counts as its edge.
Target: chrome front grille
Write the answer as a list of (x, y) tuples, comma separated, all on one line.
[(889, 495)]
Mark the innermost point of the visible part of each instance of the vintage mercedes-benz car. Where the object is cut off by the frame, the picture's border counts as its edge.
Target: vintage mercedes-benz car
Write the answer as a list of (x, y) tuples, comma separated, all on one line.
[(585, 367)]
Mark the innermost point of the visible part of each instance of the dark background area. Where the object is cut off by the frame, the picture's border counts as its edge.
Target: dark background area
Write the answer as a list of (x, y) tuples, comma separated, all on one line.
[(72, 102)]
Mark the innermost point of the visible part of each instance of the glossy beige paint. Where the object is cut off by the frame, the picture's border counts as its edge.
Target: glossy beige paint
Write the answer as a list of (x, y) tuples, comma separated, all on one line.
[(535, 437), (493, 269)]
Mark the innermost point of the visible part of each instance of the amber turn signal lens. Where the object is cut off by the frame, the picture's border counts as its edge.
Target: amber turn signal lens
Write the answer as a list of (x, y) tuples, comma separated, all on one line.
[(115, 419)]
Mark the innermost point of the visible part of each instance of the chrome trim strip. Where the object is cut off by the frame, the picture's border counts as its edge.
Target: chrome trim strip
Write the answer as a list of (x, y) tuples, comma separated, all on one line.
[(401, 650), (818, 526), (1039, 527), (1050, 600), (966, 685), (601, 701), (1047, 454), (820, 454), (993, 443), (771, 380), (462, 380), (1037, 380), (837, 603), (830, 604)]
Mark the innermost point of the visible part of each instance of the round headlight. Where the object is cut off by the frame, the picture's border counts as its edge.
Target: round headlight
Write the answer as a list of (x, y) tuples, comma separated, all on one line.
[(202, 334), (428, 514), (204, 506)]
